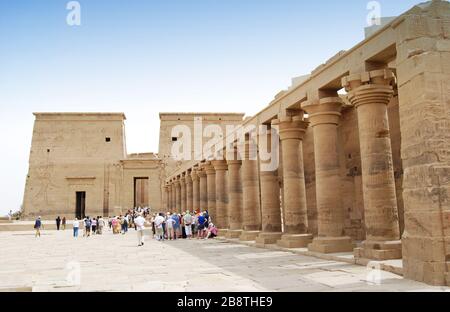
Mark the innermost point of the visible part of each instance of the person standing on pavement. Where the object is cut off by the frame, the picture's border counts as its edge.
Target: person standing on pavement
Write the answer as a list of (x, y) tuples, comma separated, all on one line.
[(58, 223), (176, 225), (87, 227), (188, 225), (64, 223), (38, 226), (159, 221), (169, 224), (201, 226), (100, 225), (76, 227), (94, 226), (139, 221)]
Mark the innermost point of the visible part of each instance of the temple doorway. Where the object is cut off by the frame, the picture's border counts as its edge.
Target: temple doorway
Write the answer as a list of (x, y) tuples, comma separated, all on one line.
[(80, 212), (141, 192)]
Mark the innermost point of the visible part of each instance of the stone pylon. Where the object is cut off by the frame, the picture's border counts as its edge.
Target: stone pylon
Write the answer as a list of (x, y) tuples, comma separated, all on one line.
[(270, 189), (370, 93), (292, 131), (324, 116)]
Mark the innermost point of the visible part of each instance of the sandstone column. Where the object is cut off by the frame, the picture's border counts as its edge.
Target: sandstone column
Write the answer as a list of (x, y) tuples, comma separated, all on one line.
[(211, 182), (235, 197), (370, 93), (220, 166), (178, 195), (189, 190), (195, 190), (169, 201), (270, 192), (183, 193), (250, 187), (166, 197), (173, 195), (324, 117), (203, 187), (292, 130)]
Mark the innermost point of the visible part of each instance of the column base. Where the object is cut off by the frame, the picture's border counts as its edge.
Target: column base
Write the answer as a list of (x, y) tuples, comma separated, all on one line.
[(327, 245), (264, 239), (232, 234), (222, 232), (379, 250), (248, 236), (295, 240)]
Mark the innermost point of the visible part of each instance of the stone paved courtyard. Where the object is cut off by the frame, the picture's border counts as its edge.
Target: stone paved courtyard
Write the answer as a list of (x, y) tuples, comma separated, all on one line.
[(57, 262)]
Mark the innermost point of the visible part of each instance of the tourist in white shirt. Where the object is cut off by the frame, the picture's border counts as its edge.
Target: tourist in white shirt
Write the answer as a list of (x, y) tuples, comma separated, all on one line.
[(170, 231), (76, 226), (140, 227), (159, 220)]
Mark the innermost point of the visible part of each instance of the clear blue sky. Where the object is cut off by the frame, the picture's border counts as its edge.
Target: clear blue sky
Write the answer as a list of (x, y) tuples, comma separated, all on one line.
[(146, 56)]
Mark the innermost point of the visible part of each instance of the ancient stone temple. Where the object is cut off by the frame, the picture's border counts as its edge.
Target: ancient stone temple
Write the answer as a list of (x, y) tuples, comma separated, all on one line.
[(362, 144), (79, 164)]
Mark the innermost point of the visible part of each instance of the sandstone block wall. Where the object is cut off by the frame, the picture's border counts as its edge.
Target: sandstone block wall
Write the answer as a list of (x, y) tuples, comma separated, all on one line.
[(71, 153)]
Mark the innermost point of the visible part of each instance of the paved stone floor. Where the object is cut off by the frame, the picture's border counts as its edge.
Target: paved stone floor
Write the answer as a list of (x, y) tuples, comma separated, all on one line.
[(57, 262)]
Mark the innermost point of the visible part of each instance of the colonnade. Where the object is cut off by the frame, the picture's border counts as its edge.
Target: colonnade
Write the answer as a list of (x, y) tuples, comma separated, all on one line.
[(270, 206)]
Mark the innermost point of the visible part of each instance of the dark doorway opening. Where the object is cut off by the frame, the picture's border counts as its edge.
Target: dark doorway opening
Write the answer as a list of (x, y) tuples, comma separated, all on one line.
[(141, 192), (81, 206)]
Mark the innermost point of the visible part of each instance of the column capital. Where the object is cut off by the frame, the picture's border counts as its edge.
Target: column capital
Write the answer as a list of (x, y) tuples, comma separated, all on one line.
[(219, 165), (194, 174), (183, 178), (209, 168), (374, 87), (291, 127), (234, 162), (188, 178), (324, 111), (201, 173)]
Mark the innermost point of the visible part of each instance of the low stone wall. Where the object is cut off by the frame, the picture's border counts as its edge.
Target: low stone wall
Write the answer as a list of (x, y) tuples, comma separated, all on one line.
[(20, 226)]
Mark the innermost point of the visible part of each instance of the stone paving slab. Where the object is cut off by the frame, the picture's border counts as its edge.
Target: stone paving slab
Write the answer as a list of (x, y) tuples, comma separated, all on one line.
[(56, 262)]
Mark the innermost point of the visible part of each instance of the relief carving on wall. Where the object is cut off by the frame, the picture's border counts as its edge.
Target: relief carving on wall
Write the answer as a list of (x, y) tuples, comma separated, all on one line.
[(44, 175)]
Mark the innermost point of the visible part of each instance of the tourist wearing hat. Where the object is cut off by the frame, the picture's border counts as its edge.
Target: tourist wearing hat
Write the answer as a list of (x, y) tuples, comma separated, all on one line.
[(38, 226)]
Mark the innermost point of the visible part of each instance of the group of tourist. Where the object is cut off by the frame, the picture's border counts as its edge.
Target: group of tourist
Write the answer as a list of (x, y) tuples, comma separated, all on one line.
[(172, 226), (60, 223), (165, 226), (93, 226)]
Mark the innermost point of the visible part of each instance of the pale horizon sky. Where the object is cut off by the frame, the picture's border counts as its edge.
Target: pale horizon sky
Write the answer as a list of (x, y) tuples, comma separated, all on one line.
[(142, 57)]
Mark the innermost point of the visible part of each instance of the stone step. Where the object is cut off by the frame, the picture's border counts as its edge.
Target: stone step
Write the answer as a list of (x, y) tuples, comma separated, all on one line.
[(5, 221)]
